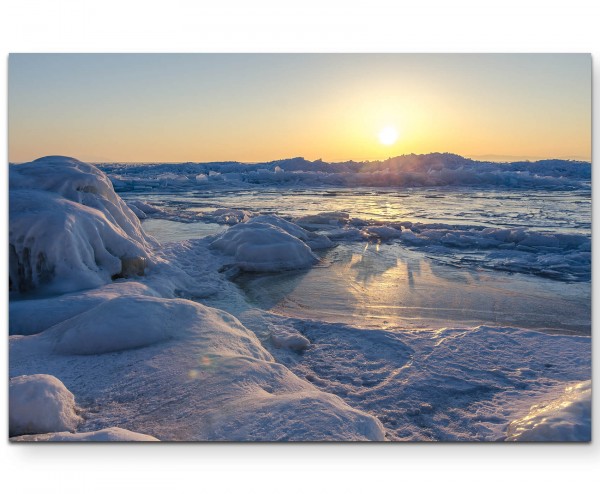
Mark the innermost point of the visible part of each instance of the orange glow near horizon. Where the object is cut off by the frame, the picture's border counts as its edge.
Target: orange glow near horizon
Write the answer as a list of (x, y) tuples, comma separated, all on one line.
[(253, 108)]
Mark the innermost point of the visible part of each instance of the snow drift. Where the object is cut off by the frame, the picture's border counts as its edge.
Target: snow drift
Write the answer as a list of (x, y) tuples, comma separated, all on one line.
[(40, 403), (68, 230)]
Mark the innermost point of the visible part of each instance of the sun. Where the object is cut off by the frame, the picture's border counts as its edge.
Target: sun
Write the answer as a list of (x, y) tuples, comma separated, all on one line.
[(388, 135)]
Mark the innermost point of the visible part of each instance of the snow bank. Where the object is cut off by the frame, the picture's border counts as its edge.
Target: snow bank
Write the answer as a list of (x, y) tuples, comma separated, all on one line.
[(567, 418), (110, 434), (68, 230), (264, 247), (40, 403)]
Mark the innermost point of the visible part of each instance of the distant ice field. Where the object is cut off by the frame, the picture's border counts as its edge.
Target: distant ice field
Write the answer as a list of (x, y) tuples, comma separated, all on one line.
[(556, 211)]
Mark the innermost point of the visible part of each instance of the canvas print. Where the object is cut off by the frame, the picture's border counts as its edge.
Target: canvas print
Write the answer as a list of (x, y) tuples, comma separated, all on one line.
[(299, 247)]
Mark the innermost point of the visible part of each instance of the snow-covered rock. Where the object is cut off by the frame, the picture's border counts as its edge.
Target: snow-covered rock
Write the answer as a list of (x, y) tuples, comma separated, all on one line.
[(264, 247), (68, 230), (110, 434), (40, 403), (566, 418)]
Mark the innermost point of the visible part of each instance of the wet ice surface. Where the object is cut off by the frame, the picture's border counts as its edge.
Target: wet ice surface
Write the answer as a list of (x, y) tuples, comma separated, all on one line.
[(390, 287), (175, 231), (539, 210)]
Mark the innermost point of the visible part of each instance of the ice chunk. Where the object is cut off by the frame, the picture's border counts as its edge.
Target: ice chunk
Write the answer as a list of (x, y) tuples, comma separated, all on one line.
[(264, 247), (382, 232), (144, 207), (313, 240), (68, 230), (138, 212), (40, 403), (332, 219), (227, 216), (286, 337), (110, 434), (567, 418)]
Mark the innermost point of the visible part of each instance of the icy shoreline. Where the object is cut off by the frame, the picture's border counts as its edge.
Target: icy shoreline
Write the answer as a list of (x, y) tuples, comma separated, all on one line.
[(137, 356)]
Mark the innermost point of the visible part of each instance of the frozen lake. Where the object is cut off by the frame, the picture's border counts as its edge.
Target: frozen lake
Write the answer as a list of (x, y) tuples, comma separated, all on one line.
[(391, 284)]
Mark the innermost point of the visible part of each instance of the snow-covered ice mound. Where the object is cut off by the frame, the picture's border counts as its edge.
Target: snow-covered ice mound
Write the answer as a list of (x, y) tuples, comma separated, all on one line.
[(110, 434), (51, 311), (313, 240), (567, 418), (68, 229), (40, 403), (257, 246), (209, 379), (121, 324)]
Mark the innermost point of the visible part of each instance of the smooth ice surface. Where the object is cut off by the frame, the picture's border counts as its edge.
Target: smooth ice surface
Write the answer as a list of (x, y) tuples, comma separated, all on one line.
[(110, 434), (40, 403), (566, 418), (174, 231), (387, 286)]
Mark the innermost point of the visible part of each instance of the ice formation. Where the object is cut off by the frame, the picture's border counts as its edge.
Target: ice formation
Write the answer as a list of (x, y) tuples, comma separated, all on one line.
[(110, 434), (50, 311), (428, 170), (286, 337), (313, 240), (40, 403), (566, 418), (228, 216), (68, 230), (140, 358), (257, 246), (203, 365)]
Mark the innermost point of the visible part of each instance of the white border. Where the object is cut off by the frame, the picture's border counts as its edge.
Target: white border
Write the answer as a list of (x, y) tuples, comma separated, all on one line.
[(319, 26)]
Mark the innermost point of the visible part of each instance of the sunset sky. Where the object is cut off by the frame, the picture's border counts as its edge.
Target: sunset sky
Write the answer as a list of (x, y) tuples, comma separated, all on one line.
[(217, 107)]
